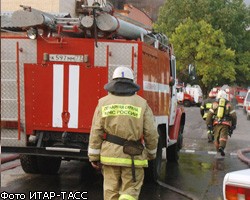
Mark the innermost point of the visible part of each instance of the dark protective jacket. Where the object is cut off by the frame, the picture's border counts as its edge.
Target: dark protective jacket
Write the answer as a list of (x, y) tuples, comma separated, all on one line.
[(228, 118)]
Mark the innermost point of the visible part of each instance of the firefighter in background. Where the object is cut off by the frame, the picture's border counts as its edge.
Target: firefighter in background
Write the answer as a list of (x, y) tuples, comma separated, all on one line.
[(121, 120), (204, 108), (222, 120)]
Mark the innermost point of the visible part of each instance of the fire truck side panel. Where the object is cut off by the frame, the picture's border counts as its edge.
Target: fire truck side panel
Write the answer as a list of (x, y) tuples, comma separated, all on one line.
[(92, 91), (139, 73), (12, 87), (38, 96), (117, 53), (63, 94), (155, 66)]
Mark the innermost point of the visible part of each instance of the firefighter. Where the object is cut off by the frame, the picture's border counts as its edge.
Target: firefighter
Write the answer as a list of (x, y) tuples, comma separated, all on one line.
[(222, 119), (121, 120), (204, 108)]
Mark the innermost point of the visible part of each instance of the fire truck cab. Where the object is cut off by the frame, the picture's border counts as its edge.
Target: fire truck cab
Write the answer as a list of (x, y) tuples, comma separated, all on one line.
[(52, 80)]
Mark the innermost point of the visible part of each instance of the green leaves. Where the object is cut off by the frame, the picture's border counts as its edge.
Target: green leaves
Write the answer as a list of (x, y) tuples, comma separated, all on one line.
[(212, 35), (198, 43)]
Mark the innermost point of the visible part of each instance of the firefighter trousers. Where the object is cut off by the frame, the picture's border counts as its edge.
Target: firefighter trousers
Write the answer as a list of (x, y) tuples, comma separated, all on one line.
[(221, 135), (118, 183)]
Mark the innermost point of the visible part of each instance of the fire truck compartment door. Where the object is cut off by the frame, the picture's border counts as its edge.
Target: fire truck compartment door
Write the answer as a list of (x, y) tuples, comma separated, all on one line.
[(62, 97)]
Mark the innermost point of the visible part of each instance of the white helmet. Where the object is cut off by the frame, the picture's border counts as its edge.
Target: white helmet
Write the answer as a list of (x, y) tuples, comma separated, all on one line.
[(123, 72), (222, 94)]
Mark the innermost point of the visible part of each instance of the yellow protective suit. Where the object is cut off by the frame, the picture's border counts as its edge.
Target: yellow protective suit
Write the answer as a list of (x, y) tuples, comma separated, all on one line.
[(131, 118)]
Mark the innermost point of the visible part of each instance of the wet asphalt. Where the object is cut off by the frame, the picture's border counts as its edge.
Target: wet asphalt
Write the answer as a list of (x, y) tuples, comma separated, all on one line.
[(198, 174)]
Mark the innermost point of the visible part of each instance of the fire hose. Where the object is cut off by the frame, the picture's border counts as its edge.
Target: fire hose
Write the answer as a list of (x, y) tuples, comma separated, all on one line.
[(242, 157), (9, 159)]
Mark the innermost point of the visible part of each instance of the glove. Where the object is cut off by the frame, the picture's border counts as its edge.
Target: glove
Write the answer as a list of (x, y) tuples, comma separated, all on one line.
[(230, 131), (233, 127), (151, 156), (210, 127), (96, 164)]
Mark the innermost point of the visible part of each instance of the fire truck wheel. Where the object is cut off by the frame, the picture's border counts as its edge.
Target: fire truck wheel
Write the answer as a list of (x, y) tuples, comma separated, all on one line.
[(187, 103), (180, 139), (172, 153), (154, 169), (48, 165), (29, 163)]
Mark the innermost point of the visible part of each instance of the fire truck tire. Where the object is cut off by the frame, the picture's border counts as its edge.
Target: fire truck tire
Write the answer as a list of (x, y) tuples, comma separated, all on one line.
[(48, 165), (180, 139), (153, 171), (172, 153), (29, 164), (173, 150), (187, 103)]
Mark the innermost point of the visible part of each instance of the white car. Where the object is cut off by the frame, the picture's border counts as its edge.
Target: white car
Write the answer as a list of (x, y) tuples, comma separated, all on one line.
[(236, 185), (246, 105)]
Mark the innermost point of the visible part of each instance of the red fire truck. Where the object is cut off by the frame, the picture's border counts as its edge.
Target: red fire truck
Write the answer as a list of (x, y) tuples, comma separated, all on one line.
[(240, 94), (183, 97), (53, 77)]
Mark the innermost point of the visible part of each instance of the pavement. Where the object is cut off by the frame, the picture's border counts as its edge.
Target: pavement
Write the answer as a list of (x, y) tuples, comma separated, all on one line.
[(240, 153)]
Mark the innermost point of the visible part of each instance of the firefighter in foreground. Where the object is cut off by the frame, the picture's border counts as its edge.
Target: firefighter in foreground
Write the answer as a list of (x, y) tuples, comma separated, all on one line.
[(121, 120), (222, 120), (204, 108)]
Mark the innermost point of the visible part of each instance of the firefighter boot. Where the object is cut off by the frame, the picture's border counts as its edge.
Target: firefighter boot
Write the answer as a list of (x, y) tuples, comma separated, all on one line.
[(221, 150)]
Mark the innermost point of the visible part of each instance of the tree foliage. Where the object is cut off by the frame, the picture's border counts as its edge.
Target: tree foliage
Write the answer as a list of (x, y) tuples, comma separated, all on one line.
[(227, 21), (197, 43), (243, 69)]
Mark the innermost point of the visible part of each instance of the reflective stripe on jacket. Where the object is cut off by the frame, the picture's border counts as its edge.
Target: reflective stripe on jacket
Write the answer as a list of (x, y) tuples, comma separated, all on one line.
[(128, 117), (228, 123)]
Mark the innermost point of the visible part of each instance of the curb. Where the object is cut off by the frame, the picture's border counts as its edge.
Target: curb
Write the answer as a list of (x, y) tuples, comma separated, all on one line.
[(9, 158)]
